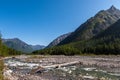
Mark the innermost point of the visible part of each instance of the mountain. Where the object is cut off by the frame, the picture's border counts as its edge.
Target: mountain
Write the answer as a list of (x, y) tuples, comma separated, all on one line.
[(37, 47), (93, 26), (5, 51), (98, 35), (58, 40), (107, 42), (19, 45)]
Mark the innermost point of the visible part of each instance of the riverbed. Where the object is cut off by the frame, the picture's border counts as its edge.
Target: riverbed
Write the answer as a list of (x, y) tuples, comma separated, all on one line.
[(89, 68)]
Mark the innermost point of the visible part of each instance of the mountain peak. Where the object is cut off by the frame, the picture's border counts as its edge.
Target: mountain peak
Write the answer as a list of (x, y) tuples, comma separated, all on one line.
[(112, 8), (114, 11)]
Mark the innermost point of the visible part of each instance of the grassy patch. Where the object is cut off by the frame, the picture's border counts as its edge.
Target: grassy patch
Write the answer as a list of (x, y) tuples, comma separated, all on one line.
[(1, 70), (36, 57), (31, 57)]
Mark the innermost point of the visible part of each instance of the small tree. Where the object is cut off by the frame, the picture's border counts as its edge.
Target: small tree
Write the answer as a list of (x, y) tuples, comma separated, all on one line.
[(0, 38), (0, 43)]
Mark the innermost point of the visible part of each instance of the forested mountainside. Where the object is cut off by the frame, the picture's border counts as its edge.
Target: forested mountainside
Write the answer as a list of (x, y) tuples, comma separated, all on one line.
[(5, 51), (99, 35), (93, 26), (20, 45)]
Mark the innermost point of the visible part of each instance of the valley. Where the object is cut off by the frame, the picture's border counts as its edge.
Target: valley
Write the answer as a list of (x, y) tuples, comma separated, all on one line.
[(90, 52), (37, 67)]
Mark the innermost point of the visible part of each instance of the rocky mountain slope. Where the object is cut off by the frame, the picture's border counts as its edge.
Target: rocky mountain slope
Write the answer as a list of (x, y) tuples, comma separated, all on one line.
[(99, 35), (58, 40), (107, 42), (92, 27)]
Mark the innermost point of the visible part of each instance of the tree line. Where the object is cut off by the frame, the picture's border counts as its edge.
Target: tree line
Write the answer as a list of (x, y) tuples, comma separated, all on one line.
[(5, 51)]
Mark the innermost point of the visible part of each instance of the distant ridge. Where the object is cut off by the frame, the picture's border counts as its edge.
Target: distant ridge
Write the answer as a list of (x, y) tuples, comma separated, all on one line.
[(20, 45), (58, 40)]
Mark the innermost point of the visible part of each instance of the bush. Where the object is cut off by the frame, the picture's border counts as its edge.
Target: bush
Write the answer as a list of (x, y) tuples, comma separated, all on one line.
[(1, 70)]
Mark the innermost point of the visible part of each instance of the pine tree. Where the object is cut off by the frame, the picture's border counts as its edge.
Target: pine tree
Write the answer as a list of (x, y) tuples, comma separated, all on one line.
[(0, 43)]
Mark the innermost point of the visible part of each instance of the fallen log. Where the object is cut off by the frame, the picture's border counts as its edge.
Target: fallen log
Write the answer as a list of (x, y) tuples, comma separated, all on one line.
[(44, 68)]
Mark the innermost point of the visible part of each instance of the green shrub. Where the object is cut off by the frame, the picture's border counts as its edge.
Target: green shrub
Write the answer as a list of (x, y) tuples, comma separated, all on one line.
[(1, 70)]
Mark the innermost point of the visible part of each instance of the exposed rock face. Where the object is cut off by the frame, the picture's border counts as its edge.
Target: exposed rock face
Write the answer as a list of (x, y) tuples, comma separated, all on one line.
[(92, 27), (19, 45), (58, 40), (114, 11)]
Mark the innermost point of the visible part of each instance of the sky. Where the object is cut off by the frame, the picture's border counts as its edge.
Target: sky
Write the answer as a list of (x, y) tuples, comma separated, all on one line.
[(41, 21)]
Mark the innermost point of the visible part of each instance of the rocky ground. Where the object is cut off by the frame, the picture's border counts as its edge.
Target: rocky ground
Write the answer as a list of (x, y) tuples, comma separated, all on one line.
[(89, 68)]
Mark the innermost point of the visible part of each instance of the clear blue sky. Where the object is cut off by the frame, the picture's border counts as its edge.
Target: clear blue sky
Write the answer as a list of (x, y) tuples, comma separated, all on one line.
[(41, 21)]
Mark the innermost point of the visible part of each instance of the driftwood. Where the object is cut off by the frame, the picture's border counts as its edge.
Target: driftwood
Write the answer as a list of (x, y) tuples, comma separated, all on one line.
[(39, 69), (44, 68)]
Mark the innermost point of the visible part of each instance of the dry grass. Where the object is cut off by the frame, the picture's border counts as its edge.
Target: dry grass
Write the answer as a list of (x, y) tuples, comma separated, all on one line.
[(36, 57), (1, 70), (32, 57)]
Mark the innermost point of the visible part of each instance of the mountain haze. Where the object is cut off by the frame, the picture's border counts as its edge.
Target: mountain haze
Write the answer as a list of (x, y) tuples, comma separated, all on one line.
[(37, 47)]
